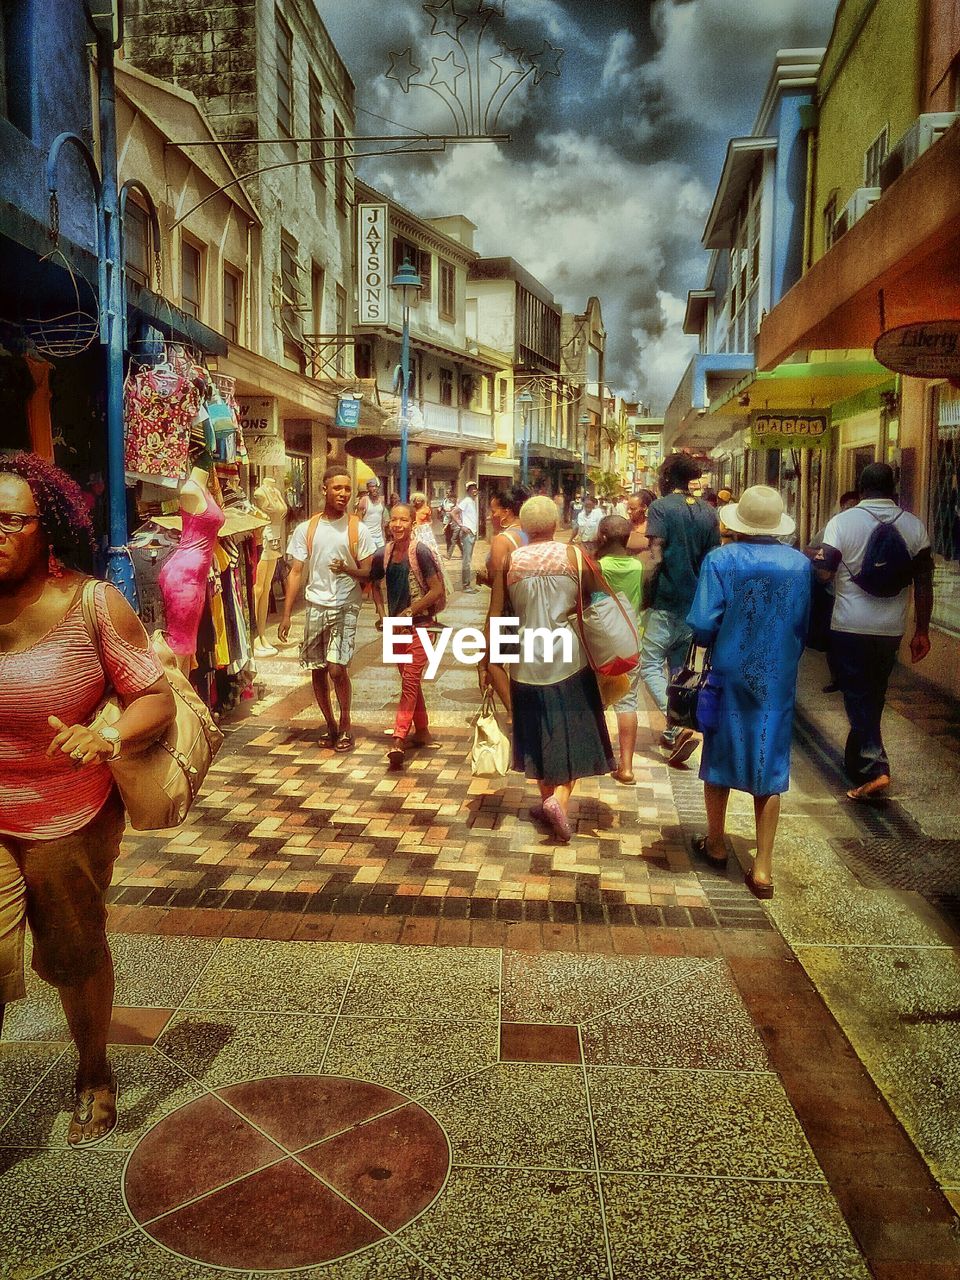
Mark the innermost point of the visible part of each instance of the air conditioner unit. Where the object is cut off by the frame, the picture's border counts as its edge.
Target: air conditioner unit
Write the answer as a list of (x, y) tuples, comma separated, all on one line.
[(863, 198), (922, 134)]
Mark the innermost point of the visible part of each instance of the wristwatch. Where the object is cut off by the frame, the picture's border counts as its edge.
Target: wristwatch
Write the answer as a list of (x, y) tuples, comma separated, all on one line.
[(111, 736)]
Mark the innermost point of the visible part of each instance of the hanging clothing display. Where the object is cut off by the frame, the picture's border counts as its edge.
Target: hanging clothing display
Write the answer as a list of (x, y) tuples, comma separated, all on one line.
[(38, 408), (159, 407), (149, 550)]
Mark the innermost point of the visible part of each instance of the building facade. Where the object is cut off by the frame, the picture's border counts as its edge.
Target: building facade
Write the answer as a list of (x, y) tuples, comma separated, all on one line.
[(887, 261), (583, 361), (451, 410), (512, 312), (269, 78)]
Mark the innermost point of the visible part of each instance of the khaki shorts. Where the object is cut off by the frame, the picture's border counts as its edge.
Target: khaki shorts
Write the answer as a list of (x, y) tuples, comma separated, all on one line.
[(329, 636), (60, 887)]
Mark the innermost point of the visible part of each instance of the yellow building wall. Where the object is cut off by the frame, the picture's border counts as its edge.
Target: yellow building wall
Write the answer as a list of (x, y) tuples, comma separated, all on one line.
[(871, 77)]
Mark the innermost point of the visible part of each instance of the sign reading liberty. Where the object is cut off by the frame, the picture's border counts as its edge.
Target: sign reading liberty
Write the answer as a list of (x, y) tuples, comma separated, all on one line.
[(478, 72)]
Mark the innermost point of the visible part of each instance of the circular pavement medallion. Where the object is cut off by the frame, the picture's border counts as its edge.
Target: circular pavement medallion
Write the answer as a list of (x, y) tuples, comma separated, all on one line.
[(285, 1172)]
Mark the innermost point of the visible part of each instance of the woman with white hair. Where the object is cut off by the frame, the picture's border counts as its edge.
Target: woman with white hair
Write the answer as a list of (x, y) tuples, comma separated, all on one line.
[(559, 733)]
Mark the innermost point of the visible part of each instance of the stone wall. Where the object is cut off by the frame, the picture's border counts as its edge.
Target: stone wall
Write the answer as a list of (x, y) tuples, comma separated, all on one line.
[(212, 51)]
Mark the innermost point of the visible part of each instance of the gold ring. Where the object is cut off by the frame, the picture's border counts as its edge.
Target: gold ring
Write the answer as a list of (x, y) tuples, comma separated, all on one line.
[(77, 755)]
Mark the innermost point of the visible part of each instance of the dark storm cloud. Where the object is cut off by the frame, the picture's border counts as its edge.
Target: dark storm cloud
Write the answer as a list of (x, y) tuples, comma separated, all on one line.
[(607, 179)]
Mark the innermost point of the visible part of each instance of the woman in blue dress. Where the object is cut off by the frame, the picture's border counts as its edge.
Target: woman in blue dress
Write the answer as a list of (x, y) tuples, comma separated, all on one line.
[(751, 606)]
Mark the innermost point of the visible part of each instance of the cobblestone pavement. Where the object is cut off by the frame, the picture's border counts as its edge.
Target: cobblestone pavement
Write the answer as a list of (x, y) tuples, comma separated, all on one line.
[(379, 1027)]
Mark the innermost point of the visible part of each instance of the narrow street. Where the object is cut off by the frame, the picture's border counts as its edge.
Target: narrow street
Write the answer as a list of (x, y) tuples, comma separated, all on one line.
[(380, 1026)]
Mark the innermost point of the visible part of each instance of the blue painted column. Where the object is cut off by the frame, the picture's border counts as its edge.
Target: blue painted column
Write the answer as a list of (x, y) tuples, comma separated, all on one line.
[(114, 303)]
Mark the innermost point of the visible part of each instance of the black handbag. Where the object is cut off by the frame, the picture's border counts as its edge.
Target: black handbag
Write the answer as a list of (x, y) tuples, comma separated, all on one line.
[(683, 690)]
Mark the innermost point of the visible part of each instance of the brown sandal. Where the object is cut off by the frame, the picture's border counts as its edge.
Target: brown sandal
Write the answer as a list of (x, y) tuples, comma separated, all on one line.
[(93, 1107)]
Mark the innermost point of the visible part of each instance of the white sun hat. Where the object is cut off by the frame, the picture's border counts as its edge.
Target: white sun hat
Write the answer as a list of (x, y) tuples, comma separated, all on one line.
[(759, 513)]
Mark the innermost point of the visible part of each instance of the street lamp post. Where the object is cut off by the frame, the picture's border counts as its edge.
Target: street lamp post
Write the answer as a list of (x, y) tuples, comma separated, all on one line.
[(408, 284), (525, 400)]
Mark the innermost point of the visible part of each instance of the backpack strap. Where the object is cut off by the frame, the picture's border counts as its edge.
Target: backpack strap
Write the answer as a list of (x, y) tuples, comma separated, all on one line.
[(311, 534)]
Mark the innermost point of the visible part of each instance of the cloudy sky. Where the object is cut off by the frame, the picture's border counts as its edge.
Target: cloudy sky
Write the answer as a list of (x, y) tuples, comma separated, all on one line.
[(606, 182)]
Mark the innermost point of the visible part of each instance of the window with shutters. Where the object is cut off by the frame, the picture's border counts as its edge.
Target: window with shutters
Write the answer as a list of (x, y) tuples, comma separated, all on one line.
[(284, 76), (448, 291), (318, 150), (232, 304), (137, 243), (191, 279), (446, 386)]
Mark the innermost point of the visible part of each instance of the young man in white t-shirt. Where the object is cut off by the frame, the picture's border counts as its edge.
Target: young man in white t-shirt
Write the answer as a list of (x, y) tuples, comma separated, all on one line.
[(866, 630), (339, 550)]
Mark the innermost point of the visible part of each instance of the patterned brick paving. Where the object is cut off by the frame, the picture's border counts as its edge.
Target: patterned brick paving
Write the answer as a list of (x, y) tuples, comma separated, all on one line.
[(287, 826)]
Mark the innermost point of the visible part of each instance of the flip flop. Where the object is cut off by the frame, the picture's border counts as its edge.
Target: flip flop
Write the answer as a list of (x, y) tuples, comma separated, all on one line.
[(873, 790), (85, 1108), (557, 819), (344, 743), (625, 779), (700, 844), (762, 891), (326, 739)]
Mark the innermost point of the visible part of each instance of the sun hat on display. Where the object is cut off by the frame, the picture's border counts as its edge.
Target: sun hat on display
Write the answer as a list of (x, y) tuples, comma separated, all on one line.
[(759, 513)]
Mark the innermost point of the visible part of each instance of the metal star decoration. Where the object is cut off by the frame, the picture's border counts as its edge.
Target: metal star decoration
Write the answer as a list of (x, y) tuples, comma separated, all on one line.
[(545, 62), (509, 62), (403, 69), (450, 74), (446, 20)]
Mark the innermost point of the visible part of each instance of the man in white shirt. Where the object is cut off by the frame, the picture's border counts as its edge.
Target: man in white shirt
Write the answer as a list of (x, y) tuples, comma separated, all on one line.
[(373, 513), (467, 519), (588, 522), (335, 550), (868, 624)]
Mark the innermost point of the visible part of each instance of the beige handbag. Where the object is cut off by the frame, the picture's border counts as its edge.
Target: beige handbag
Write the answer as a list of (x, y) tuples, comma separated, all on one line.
[(490, 753), (159, 785)]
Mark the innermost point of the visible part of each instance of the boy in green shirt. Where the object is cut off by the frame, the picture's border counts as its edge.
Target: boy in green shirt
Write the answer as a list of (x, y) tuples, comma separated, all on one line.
[(624, 573)]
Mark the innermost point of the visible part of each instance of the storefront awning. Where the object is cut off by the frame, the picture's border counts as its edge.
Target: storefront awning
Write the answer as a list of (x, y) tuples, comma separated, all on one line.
[(905, 248), (801, 386), (506, 467)]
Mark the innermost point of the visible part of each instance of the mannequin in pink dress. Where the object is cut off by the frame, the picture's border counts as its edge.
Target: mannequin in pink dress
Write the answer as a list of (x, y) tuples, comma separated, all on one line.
[(183, 578)]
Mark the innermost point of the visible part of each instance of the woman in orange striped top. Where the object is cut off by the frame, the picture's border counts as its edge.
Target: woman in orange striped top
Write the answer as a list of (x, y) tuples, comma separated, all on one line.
[(61, 821)]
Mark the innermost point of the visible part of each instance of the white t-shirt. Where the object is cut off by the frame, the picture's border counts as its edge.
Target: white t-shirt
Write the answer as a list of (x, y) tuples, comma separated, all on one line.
[(331, 542), (468, 514), (588, 522), (849, 532)]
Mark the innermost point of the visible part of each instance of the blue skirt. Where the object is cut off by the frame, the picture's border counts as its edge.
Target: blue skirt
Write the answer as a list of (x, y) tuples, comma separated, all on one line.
[(559, 732)]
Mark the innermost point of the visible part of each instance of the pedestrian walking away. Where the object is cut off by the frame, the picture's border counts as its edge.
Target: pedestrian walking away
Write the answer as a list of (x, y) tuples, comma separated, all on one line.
[(373, 513), (624, 574), (61, 819), (466, 516), (414, 581), (681, 530), (751, 607), (450, 530), (873, 553), (331, 555), (559, 731), (508, 535)]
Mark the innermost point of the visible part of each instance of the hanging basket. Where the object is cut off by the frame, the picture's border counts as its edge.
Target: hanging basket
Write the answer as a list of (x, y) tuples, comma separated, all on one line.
[(68, 334)]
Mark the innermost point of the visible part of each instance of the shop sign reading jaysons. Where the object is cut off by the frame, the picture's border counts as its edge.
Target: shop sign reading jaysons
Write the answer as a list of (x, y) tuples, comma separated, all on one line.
[(372, 256), (799, 430), (258, 415), (930, 350)]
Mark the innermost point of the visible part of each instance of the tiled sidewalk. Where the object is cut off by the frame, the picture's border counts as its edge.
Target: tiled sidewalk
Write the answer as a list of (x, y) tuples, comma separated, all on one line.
[(537, 1116)]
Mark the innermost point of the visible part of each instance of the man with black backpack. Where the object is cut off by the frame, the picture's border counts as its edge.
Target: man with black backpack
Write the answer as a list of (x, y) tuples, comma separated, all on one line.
[(681, 530), (874, 552)]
